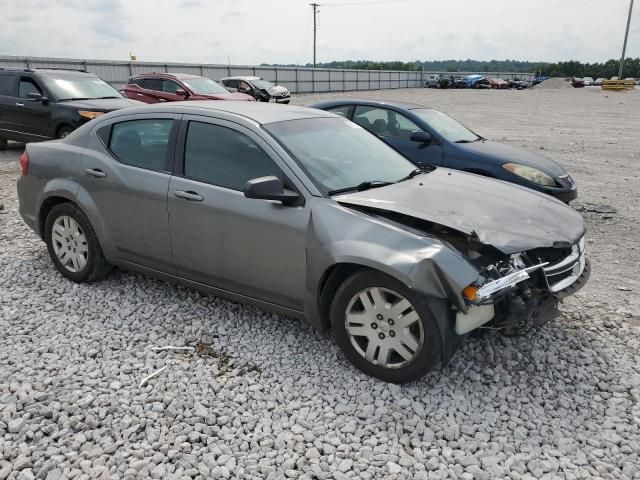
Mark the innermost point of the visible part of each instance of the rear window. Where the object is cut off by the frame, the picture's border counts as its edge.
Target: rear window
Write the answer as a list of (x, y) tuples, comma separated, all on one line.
[(7, 84), (151, 84), (142, 143)]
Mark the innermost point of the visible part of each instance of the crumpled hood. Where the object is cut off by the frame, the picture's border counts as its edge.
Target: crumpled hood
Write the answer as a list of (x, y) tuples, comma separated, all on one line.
[(102, 104), (278, 89), (509, 217), (509, 154), (228, 96)]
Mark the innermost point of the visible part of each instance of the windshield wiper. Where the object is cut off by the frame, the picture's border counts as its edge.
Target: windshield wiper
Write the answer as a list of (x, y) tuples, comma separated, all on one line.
[(105, 98), (74, 98), (361, 187), (413, 173), (470, 141)]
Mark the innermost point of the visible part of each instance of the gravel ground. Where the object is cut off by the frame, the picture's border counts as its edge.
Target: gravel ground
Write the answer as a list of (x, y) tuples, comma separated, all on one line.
[(265, 396)]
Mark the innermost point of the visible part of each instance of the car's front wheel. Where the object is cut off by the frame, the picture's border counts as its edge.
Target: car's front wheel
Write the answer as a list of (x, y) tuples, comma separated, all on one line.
[(64, 131), (73, 245), (385, 329)]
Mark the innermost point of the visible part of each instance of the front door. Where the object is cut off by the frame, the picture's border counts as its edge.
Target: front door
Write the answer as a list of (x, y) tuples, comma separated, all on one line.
[(32, 117), (168, 92), (395, 129), (221, 238), (126, 173)]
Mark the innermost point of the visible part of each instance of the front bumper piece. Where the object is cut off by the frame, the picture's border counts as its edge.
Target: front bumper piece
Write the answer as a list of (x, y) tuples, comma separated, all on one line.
[(528, 297)]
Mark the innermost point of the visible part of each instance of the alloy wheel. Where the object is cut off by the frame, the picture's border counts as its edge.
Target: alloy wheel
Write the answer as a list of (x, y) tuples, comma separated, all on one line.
[(69, 244), (384, 327)]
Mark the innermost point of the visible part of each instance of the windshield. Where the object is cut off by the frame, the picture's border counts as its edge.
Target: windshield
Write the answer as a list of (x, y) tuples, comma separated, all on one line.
[(262, 83), (446, 126), (67, 88), (204, 86), (338, 154)]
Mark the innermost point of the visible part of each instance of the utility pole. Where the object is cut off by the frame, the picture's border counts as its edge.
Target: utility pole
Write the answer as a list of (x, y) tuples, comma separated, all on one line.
[(624, 45), (315, 14)]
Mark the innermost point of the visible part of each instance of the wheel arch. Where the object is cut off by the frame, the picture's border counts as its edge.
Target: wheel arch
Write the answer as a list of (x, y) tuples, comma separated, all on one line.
[(440, 308)]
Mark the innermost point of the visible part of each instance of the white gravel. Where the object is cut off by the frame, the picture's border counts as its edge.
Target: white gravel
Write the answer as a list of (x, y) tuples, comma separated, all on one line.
[(274, 398)]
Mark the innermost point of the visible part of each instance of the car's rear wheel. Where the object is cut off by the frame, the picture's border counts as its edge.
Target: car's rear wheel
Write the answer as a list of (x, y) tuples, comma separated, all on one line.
[(73, 245), (385, 329)]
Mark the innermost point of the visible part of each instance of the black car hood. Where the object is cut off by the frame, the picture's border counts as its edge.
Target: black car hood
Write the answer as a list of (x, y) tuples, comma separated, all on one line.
[(508, 154), (101, 104), (509, 217)]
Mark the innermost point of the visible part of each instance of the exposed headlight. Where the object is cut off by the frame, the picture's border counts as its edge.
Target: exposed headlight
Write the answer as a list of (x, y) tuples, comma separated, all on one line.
[(89, 114), (532, 174)]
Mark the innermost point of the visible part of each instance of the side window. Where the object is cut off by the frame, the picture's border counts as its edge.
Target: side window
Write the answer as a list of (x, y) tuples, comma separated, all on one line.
[(342, 110), (231, 83), (151, 84), (169, 86), (244, 86), (404, 126), (7, 84), (27, 86), (223, 156), (384, 122), (142, 143)]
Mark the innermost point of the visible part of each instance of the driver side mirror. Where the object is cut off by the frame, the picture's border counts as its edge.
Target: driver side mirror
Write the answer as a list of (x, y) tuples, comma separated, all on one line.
[(269, 188), (421, 137), (182, 92), (37, 97)]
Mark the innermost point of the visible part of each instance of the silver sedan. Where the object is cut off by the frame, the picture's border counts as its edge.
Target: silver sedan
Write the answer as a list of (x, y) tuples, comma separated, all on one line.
[(302, 212)]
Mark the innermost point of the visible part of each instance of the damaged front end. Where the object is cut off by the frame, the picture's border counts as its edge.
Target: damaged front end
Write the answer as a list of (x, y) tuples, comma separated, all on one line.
[(513, 292), (518, 293)]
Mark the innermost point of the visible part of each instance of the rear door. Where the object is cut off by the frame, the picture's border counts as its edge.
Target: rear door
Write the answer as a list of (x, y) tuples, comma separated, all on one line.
[(395, 129), (125, 174), (145, 90), (8, 94)]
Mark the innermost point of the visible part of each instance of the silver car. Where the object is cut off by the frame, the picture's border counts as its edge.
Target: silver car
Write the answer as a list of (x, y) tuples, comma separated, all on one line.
[(302, 212)]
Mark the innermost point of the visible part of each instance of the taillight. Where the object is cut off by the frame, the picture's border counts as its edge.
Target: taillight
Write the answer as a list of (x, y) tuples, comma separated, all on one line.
[(24, 163)]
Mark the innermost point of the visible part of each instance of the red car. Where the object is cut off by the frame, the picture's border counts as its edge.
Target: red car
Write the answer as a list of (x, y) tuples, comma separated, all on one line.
[(498, 83), (174, 87)]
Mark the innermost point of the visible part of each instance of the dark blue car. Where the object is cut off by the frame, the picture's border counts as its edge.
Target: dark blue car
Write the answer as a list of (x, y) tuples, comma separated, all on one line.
[(429, 137)]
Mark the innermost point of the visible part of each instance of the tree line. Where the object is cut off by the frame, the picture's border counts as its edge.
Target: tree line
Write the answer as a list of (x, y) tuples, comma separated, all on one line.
[(571, 68)]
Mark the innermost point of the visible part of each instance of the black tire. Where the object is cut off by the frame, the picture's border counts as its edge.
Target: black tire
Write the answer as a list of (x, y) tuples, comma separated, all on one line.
[(3, 143), (64, 131), (96, 266), (427, 356)]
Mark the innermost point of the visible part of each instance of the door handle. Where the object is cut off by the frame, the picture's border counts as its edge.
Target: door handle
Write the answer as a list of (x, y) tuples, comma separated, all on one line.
[(190, 196), (95, 172), (18, 104)]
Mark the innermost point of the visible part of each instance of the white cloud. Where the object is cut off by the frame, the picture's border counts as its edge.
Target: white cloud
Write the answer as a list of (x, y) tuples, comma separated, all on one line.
[(278, 31)]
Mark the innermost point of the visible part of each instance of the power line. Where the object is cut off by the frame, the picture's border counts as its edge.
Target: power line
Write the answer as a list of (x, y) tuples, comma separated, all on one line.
[(459, 20), (373, 2)]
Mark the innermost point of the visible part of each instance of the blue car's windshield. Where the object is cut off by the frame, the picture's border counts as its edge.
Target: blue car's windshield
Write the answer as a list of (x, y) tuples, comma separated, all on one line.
[(447, 127), (340, 155)]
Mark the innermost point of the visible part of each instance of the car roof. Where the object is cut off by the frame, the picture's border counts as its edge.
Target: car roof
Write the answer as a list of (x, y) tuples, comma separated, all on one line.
[(242, 77), (259, 112), (61, 72), (368, 103), (167, 74)]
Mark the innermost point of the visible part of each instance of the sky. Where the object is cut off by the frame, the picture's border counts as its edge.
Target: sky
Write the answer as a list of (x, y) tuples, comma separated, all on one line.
[(280, 31)]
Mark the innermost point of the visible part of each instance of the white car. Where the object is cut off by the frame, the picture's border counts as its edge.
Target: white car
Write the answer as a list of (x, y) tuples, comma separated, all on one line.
[(599, 81), (588, 81), (432, 81)]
